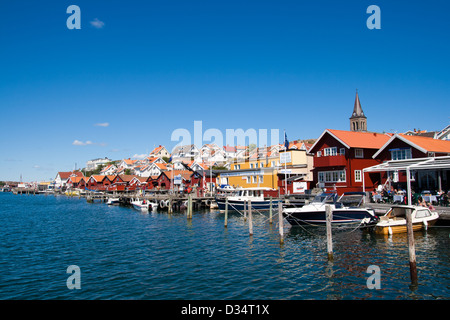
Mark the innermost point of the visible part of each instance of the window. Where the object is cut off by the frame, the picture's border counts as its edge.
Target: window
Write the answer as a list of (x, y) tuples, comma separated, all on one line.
[(358, 177), (342, 151), (330, 151), (359, 153), (249, 179), (251, 165), (254, 179), (422, 213), (321, 177), (261, 179), (319, 153), (400, 154), (332, 176)]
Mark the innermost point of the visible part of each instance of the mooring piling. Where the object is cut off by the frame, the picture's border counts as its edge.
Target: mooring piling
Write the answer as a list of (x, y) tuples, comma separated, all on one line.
[(226, 212), (250, 218), (270, 211), (411, 247), (280, 222), (329, 218)]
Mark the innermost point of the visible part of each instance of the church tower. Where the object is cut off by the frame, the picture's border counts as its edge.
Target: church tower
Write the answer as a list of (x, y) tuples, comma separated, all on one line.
[(358, 121)]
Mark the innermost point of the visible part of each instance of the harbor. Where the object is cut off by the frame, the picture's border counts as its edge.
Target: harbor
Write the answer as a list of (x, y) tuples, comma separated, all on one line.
[(157, 255), (223, 158)]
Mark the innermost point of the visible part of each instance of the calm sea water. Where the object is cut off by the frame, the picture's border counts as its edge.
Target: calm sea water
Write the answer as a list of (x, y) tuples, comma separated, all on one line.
[(124, 254)]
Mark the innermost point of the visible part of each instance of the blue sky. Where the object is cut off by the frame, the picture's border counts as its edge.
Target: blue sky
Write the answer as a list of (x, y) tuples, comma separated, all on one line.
[(155, 66)]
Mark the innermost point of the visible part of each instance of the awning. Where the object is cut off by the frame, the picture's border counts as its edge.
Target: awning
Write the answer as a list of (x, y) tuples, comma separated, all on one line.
[(412, 164), (432, 163)]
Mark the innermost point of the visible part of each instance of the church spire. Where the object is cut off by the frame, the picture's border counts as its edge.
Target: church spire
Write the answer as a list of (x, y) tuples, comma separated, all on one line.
[(357, 110), (358, 121)]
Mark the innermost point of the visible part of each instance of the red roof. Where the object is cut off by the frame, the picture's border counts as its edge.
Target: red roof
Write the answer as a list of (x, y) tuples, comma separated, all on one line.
[(356, 139), (429, 144), (66, 175)]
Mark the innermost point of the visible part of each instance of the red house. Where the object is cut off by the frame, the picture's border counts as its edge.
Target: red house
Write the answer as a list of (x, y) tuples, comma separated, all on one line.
[(166, 179), (402, 147), (340, 156), (98, 182)]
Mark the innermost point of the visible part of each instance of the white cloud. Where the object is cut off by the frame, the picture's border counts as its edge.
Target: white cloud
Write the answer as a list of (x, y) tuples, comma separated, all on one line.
[(97, 23), (78, 143), (87, 143), (104, 124)]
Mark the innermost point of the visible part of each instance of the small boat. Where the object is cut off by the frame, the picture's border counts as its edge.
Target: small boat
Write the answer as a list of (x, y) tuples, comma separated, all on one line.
[(113, 202), (144, 205), (257, 196), (394, 221), (346, 210), (5, 188)]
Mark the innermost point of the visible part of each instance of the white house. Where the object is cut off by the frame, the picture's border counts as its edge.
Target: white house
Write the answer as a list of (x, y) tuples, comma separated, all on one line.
[(94, 163), (444, 134), (109, 170), (160, 151), (127, 163), (212, 153), (153, 169), (187, 153), (62, 177)]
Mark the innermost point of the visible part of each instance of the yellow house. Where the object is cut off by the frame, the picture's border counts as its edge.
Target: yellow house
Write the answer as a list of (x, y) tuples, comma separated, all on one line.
[(266, 170)]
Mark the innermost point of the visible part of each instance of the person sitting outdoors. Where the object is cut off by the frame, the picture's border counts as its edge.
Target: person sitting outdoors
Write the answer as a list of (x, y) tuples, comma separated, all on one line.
[(422, 202)]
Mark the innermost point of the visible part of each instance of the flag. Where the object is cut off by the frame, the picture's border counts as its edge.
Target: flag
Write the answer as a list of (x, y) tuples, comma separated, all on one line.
[(170, 159), (286, 141)]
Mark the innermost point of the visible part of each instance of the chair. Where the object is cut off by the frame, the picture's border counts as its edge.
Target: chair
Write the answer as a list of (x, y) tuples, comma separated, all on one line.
[(443, 200)]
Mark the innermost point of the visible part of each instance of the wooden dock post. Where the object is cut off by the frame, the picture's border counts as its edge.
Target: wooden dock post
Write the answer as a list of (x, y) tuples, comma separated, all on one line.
[(226, 212), (250, 218), (280, 222), (270, 211), (245, 210), (189, 214), (329, 214), (411, 247), (170, 208)]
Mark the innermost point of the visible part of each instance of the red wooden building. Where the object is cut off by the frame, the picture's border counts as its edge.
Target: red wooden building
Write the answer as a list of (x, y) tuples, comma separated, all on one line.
[(98, 182), (403, 147), (340, 156)]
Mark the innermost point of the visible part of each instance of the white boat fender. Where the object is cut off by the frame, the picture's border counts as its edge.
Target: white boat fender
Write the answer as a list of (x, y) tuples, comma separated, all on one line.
[(390, 230), (425, 224)]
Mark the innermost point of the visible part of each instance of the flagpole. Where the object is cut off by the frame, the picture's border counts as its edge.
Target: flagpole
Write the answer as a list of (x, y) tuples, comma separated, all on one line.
[(285, 158)]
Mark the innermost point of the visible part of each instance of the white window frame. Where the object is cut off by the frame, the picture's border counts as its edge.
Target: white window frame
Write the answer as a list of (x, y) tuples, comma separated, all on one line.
[(358, 175), (331, 151), (332, 176), (401, 154)]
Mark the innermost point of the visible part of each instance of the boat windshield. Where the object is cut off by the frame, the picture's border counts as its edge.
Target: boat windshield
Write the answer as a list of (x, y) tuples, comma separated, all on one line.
[(250, 193), (325, 198)]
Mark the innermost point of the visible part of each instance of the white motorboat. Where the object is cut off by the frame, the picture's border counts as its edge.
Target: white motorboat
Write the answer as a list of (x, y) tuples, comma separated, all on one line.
[(113, 202), (346, 209), (144, 205), (241, 197), (394, 221)]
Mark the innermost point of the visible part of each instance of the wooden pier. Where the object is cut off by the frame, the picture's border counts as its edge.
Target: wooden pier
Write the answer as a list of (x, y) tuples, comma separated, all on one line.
[(166, 201)]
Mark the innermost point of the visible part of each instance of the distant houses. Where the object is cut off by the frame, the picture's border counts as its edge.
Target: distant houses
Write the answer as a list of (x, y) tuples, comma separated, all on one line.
[(335, 161)]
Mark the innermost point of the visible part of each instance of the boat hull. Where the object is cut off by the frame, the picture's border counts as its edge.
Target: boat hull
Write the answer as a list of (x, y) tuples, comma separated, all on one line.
[(401, 228), (238, 206), (347, 216)]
